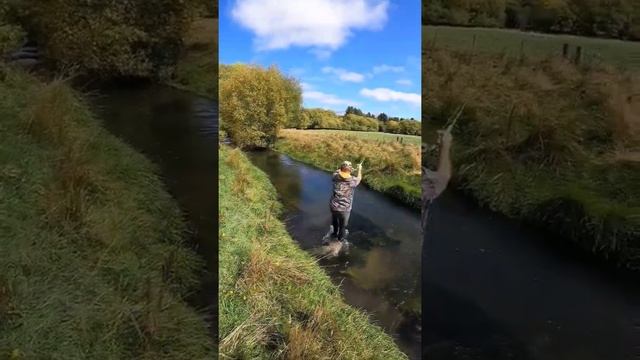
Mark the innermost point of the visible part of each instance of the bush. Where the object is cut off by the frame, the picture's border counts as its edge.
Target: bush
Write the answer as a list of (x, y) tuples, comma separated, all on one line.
[(255, 103), (111, 37), (11, 35)]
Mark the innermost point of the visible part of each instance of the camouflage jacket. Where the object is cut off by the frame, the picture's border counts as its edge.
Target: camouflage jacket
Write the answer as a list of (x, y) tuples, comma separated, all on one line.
[(343, 189)]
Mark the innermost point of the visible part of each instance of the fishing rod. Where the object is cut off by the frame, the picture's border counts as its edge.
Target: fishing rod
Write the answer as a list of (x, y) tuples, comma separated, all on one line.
[(451, 123)]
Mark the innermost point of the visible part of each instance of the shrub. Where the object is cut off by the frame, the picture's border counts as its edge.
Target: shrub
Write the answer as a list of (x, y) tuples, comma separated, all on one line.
[(255, 103), (111, 37)]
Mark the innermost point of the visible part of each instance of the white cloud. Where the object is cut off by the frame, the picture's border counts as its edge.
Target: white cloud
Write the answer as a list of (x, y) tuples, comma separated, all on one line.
[(404, 82), (324, 98), (384, 94), (343, 74), (323, 25), (387, 68)]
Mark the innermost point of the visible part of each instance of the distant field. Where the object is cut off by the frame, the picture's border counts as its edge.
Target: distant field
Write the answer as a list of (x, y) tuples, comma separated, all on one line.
[(625, 54), (407, 139)]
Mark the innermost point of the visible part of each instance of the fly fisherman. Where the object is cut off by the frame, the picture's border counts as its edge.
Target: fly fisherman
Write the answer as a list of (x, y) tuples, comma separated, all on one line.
[(344, 185)]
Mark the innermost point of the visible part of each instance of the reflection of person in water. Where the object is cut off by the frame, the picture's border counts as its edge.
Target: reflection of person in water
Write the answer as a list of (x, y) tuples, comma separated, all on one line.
[(434, 182)]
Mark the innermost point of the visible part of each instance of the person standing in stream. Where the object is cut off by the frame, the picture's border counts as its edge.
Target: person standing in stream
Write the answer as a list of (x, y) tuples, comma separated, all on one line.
[(344, 185)]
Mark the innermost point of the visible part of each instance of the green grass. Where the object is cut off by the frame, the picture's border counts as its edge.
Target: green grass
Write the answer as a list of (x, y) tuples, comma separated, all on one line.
[(544, 141), (624, 54), (275, 300), (390, 167), (92, 259), (369, 135), (197, 70)]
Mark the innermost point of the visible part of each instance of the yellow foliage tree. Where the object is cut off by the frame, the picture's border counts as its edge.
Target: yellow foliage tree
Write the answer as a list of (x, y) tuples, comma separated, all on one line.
[(255, 103)]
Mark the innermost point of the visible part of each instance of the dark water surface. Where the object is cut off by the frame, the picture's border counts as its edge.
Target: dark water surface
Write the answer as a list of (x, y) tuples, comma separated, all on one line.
[(178, 131), (493, 289), (381, 273)]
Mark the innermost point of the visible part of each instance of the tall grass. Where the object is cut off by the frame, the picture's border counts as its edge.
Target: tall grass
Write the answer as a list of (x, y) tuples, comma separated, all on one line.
[(389, 167), (275, 301), (92, 258), (546, 141)]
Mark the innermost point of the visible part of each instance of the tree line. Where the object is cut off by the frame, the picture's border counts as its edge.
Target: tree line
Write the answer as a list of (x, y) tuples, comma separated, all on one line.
[(599, 18), (354, 119), (256, 102)]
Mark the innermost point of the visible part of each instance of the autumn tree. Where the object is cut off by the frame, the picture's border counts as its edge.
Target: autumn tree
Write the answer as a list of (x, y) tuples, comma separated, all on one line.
[(256, 102)]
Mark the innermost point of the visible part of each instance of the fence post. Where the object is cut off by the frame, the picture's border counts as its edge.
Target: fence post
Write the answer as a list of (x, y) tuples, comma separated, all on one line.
[(565, 50), (578, 58)]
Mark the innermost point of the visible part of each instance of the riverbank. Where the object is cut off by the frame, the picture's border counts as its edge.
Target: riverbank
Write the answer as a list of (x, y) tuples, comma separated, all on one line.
[(546, 142), (93, 262), (391, 168), (274, 298), (197, 68)]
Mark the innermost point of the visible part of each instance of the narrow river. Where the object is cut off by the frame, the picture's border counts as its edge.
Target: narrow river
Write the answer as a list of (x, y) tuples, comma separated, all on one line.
[(381, 273), (179, 133), (494, 289)]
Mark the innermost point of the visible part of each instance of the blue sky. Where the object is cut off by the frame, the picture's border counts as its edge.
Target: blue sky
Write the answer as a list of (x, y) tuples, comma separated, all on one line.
[(364, 53)]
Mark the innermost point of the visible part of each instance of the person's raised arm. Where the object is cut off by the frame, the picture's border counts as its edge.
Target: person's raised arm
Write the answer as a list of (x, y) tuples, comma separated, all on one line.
[(444, 165)]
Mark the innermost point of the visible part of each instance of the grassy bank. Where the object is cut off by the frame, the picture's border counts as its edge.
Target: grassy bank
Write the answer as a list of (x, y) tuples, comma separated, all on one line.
[(624, 54), (92, 258), (275, 301), (392, 168), (370, 135), (197, 70), (545, 141)]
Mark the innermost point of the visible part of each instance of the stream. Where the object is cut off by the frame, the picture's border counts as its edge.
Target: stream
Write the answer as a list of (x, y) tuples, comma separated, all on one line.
[(381, 272), (178, 131), (495, 289)]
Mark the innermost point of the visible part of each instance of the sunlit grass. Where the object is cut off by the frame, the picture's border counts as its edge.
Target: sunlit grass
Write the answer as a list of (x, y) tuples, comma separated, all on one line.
[(368, 135)]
